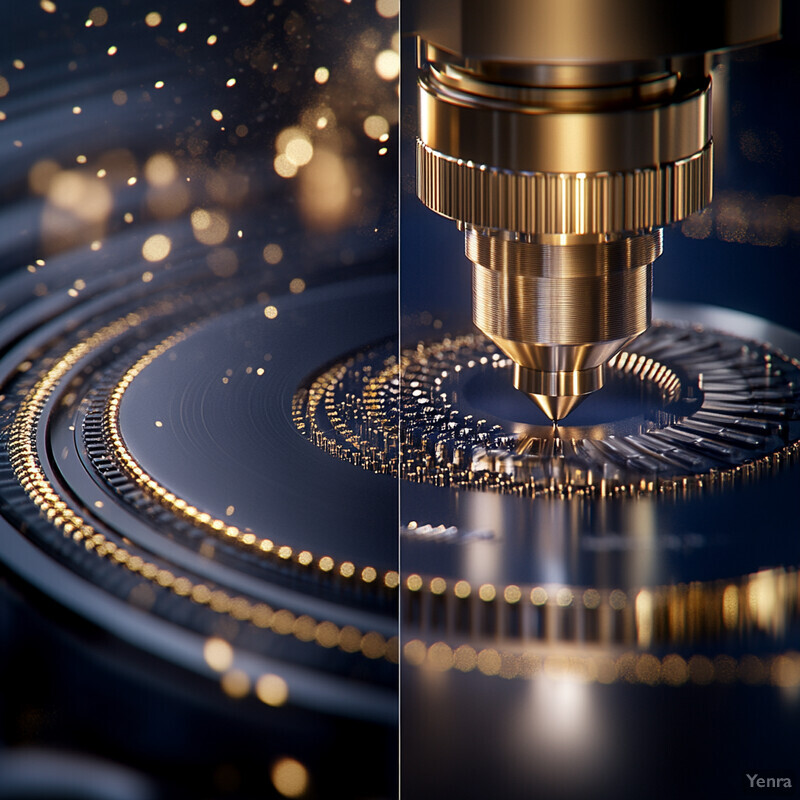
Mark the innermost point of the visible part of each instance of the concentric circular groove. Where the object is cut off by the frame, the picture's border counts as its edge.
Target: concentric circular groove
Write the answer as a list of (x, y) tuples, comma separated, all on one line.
[(74, 525)]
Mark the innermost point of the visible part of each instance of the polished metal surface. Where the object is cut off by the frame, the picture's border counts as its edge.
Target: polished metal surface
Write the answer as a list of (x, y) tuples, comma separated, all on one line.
[(561, 132), (583, 31), (560, 312)]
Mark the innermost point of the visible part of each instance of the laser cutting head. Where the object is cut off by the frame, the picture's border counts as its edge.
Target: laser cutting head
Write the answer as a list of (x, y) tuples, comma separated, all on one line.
[(562, 135)]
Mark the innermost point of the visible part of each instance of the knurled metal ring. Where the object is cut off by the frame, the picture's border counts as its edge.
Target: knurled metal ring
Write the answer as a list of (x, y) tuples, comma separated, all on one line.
[(563, 203)]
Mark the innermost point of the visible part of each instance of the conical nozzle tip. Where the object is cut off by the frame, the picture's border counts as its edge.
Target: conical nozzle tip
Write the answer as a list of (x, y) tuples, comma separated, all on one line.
[(557, 407)]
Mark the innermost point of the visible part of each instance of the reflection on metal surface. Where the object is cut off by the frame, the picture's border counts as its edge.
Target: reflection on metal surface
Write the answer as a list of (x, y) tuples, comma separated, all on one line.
[(631, 667), (563, 617)]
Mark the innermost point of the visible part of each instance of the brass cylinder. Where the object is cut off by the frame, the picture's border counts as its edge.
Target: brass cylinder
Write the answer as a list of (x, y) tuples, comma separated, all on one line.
[(562, 135), (561, 311)]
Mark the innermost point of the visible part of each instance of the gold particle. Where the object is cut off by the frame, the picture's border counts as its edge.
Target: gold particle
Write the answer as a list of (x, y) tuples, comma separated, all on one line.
[(440, 656), (387, 65), (260, 371), (512, 594), (209, 227), (674, 670), (101, 173), (321, 74), (147, 277), (564, 597), (270, 312), (414, 652), (272, 690), (235, 683), (438, 586), (538, 596), (48, 5), (487, 592), (2, 116), (326, 563), (297, 285), (322, 122), (96, 245), (132, 181), (157, 247), (76, 109), (4, 87), (465, 658), (18, 63), (414, 583), (81, 159), (182, 27), (98, 16), (98, 503), (489, 662), (158, 85), (218, 654), (289, 777), (299, 151), (120, 97), (159, 423), (383, 151), (591, 598), (387, 8), (391, 579), (617, 600), (273, 253), (212, 39), (160, 170), (368, 574), (376, 126), (246, 2), (216, 114), (230, 82), (112, 51), (153, 19), (284, 167), (347, 569), (229, 511), (462, 590), (128, 217)]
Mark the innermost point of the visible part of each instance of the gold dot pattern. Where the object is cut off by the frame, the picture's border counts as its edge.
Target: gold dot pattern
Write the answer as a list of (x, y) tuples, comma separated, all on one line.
[(765, 602), (217, 527), (782, 670), (29, 473)]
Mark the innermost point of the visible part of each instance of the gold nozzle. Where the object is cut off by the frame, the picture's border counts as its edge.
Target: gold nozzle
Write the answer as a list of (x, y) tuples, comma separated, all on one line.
[(561, 155), (561, 311)]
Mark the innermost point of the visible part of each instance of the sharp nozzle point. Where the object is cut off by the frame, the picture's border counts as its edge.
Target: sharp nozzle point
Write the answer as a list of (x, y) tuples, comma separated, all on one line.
[(556, 407)]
